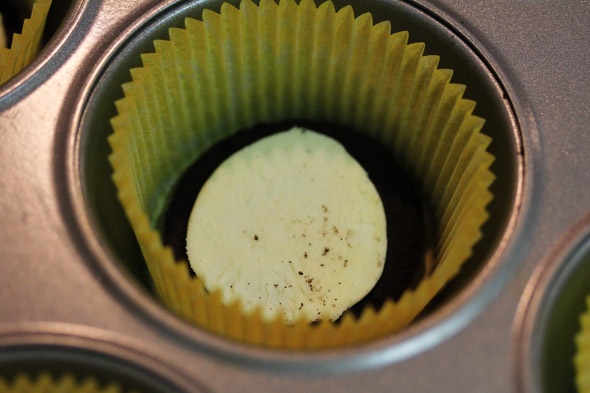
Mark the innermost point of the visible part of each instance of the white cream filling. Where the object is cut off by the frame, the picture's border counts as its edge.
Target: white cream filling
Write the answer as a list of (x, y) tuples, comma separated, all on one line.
[(291, 224)]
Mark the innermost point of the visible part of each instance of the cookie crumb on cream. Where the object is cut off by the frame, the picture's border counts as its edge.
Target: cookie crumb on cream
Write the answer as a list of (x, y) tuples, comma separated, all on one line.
[(291, 224)]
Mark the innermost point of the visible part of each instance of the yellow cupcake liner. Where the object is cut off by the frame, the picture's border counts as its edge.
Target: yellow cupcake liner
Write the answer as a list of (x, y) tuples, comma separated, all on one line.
[(582, 357), (45, 382), (290, 61), (25, 45)]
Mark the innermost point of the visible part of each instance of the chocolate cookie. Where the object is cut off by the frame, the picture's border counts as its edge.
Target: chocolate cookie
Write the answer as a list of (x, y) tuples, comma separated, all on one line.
[(405, 212)]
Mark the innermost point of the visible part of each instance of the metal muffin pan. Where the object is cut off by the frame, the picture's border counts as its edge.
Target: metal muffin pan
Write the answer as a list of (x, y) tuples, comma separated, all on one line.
[(65, 243)]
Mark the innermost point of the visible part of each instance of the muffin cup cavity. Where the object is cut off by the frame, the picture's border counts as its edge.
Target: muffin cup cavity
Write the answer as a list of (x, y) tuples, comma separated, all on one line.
[(26, 44), (271, 63)]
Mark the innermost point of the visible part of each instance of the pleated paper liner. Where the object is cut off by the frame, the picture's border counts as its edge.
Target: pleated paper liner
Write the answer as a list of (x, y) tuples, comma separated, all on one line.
[(25, 45), (49, 383), (275, 62), (582, 357)]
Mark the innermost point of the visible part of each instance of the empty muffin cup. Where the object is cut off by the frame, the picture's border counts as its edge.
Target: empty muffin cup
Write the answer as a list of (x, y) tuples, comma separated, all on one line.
[(272, 63)]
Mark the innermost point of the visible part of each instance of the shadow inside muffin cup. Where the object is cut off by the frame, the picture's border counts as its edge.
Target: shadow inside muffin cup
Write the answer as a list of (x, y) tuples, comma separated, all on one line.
[(12, 19), (58, 14), (100, 194)]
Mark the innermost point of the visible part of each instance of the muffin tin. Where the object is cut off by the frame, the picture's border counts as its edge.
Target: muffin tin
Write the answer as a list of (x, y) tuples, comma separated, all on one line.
[(71, 283)]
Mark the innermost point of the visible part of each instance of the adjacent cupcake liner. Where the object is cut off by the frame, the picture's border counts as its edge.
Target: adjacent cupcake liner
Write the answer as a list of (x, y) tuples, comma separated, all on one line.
[(290, 61), (47, 383), (26, 45), (582, 357)]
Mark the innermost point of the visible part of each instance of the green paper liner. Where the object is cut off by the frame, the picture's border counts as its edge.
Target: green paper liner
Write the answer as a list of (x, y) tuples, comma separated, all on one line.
[(275, 62), (25, 45), (45, 382), (582, 356)]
